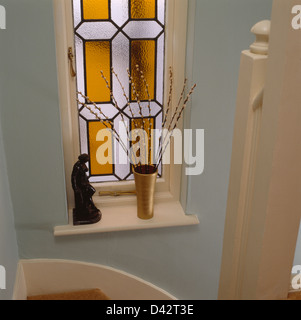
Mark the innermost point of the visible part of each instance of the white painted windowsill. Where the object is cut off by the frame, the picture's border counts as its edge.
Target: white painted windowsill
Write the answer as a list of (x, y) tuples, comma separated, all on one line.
[(117, 217)]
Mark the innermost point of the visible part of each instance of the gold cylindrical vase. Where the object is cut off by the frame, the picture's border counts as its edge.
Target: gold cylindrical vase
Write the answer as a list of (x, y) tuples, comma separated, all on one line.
[(145, 190)]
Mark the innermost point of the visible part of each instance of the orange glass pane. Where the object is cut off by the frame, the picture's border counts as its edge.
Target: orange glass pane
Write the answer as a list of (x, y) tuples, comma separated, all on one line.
[(143, 9), (96, 9), (98, 59), (143, 54), (100, 145)]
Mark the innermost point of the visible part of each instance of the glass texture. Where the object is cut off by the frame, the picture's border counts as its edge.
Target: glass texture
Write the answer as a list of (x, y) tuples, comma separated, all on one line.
[(77, 12), (83, 135), (120, 62), (80, 66), (107, 109), (143, 9), (161, 11), (122, 170), (142, 29), (143, 54), (144, 109), (158, 124), (120, 11), (160, 69), (97, 30), (103, 178), (95, 167), (98, 58), (96, 9)]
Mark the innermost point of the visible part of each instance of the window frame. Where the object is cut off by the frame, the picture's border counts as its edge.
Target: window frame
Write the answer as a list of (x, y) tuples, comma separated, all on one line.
[(169, 185)]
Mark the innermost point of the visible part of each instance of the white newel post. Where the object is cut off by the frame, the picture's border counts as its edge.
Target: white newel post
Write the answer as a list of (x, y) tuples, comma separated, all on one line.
[(264, 204), (246, 132), (276, 203)]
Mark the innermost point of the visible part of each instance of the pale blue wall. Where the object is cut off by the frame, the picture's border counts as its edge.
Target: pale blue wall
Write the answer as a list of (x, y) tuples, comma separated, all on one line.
[(184, 261), (297, 260), (8, 241)]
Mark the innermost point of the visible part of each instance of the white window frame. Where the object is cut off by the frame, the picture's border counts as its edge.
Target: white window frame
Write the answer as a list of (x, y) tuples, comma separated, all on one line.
[(169, 186)]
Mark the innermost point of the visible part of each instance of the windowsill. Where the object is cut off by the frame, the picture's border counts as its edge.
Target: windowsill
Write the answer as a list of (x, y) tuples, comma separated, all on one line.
[(117, 217)]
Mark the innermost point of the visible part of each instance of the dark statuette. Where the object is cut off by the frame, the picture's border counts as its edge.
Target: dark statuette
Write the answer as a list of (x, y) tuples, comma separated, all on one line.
[(85, 211)]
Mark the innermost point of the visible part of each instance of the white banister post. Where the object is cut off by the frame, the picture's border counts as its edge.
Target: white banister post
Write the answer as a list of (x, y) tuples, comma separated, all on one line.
[(264, 202), (245, 140), (276, 201)]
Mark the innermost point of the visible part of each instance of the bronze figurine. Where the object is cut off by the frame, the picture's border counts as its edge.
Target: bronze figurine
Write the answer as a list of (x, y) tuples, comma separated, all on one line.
[(85, 212)]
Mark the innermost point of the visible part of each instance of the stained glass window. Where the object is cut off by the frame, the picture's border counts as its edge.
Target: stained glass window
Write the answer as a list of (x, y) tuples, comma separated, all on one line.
[(118, 34)]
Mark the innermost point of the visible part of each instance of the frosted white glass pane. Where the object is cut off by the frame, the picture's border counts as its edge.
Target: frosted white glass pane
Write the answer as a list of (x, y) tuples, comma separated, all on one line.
[(155, 109), (161, 11), (159, 126), (131, 177), (103, 179), (77, 12), (107, 109), (160, 69), (121, 170), (120, 62), (119, 11), (159, 121), (80, 67), (142, 29), (83, 135), (97, 30)]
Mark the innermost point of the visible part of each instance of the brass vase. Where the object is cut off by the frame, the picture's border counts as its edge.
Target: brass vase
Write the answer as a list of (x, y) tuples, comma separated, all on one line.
[(145, 181)]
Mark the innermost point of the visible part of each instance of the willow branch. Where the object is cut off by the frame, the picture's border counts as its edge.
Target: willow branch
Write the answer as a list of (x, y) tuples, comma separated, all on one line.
[(180, 113), (117, 107), (104, 122), (150, 112), (132, 83)]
